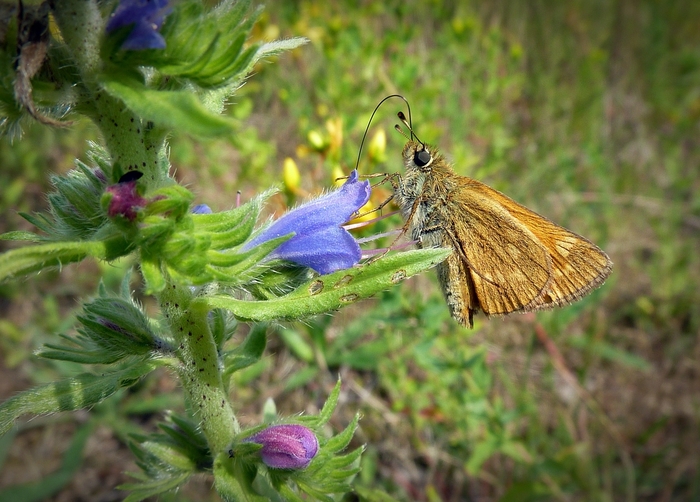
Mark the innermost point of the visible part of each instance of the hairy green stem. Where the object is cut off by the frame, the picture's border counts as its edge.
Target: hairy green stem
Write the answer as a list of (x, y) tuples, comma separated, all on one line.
[(200, 372), (127, 138), (81, 25)]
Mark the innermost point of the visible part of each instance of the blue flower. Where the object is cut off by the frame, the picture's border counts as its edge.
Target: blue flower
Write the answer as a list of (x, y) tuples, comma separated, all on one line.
[(286, 446), (147, 18), (320, 242), (201, 209)]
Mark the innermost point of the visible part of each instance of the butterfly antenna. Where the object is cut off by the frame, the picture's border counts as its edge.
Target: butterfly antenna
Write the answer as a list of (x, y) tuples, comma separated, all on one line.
[(364, 136), (408, 124)]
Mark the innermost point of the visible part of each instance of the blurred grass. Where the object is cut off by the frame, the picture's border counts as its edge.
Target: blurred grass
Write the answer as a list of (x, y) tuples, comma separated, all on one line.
[(589, 113)]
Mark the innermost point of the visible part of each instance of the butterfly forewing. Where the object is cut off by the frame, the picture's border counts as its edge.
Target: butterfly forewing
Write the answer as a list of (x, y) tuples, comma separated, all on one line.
[(506, 263), (577, 265)]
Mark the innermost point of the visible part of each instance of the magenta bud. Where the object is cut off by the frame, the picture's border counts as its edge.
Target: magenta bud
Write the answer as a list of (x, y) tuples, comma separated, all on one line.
[(286, 446), (125, 200)]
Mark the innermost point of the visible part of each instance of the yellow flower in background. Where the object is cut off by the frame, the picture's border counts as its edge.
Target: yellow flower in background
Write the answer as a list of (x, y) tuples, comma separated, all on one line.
[(338, 176), (334, 127), (290, 176), (377, 147), (316, 140)]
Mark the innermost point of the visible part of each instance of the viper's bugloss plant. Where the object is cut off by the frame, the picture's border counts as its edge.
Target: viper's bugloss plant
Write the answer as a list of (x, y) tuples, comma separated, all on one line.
[(139, 70)]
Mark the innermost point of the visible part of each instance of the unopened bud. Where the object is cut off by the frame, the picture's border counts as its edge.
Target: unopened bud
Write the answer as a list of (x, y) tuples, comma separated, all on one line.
[(124, 200), (286, 446)]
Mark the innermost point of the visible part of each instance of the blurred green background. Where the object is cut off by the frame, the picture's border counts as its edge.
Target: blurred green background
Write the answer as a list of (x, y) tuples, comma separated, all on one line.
[(585, 111)]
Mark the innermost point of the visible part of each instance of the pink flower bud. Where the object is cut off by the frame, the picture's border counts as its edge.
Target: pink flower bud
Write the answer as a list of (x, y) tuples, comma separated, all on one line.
[(125, 199), (286, 446)]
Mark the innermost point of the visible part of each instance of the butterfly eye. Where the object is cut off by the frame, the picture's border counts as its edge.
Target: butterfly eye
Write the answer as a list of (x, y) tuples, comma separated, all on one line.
[(422, 158)]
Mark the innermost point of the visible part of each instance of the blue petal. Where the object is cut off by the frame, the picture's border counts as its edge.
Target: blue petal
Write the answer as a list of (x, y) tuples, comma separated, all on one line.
[(329, 210), (136, 11), (143, 37), (326, 251), (319, 241), (147, 18), (201, 209)]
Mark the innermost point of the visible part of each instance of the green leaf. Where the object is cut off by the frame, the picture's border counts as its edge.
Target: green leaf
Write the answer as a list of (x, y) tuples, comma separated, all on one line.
[(178, 110), (227, 220), (188, 437), (517, 451), (112, 328), (289, 494), (299, 347), (172, 456), (228, 475), (269, 411), (249, 352), (482, 452), (141, 491), (330, 292), (152, 276), (340, 441), (374, 494), (223, 326), (240, 268), (81, 391), (28, 259), (329, 406), (19, 235)]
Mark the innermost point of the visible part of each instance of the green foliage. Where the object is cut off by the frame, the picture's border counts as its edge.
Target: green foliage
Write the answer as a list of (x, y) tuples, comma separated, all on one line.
[(334, 290), (169, 457), (248, 352), (82, 391), (112, 328), (204, 63), (179, 110), (26, 260)]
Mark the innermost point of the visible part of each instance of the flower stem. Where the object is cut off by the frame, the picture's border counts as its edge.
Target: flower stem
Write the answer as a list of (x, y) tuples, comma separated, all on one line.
[(200, 372), (129, 141), (81, 25)]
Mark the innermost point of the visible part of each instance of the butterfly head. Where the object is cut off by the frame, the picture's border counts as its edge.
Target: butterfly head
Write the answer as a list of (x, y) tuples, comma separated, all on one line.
[(417, 155)]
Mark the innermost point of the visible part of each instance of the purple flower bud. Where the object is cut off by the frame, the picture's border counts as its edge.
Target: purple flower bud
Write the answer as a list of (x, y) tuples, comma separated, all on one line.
[(286, 446), (201, 209), (146, 16), (320, 242), (125, 200), (100, 175)]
